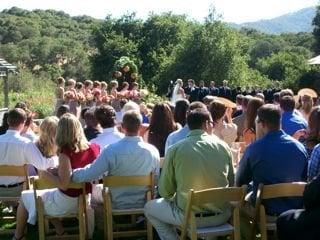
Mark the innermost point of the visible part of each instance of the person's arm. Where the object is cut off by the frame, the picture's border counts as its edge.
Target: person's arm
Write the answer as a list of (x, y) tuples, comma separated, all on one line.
[(34, 157), (314, 163), (94, 170), (231, 169), (244, 173), (167, 182), (64, 172)]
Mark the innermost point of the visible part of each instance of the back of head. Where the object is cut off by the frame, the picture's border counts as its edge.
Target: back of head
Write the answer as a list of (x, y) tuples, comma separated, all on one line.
[(180, 111), (131, 106), (253, 105), (286, 92), (131, 122), (48, 130), (287, 103), (161, 121), (314, 126), (208, 99), (239, 99), (197, 117), (16, 117), (90, 119), (270, 115), (62, 110), (245, 102), (217, 110), (276, 97), (197, 104), (70, 134), (106, 116)]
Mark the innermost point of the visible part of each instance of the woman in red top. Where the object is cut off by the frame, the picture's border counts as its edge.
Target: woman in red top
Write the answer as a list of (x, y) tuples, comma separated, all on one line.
[(74, 152)]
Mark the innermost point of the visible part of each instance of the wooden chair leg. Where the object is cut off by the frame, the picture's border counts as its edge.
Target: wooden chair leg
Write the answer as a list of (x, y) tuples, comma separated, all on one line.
[(263, 224), (81, 218), (236, 223), (149, 231), (41, 220)]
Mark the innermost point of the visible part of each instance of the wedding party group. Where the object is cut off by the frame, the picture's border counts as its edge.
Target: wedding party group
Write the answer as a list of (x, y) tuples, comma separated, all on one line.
[(246, 165)]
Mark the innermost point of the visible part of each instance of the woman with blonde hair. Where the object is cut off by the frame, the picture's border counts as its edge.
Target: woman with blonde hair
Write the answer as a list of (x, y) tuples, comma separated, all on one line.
[(47, 136), (306, 106), (74, 152)]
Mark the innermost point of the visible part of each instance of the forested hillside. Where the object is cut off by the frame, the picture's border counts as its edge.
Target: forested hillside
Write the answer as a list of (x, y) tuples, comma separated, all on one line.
[(47, 44)]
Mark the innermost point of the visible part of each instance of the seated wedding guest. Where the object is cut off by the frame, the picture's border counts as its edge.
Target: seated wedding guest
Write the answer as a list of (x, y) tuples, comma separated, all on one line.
[(310, 137), (198, 162), (249, 133), (240, 120), (275, 158), (291, 121), (239, 110), (130, 156), (306, 106), (276, 98), (17, 150), (224, 128), (144, 112), (119, 114), (74, 152), (92, 128), (182, 133), (297, 224), (4, 127), (208, 99), (62, 110), (161, 125), (27, 131), (180, 111), (106, 117)]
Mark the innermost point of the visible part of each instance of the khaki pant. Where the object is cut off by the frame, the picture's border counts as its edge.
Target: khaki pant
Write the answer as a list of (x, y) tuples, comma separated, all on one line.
[(164, 215)]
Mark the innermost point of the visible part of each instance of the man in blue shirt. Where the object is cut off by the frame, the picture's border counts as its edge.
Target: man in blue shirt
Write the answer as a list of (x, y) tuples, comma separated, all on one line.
[(275, 158), (291, 120)]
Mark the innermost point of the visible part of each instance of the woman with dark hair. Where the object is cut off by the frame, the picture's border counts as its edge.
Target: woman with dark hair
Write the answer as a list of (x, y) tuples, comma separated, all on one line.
[(249, 134), (161, 125), (180, 111), (310, 136)]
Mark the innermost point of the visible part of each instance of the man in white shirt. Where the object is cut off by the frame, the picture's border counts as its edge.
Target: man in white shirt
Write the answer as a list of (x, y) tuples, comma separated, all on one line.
[(130, 156), (106, 116), (17, 151)]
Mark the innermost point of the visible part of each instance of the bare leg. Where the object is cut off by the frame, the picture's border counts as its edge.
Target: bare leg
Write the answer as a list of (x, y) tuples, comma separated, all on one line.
[(22, 216), (58, 226)]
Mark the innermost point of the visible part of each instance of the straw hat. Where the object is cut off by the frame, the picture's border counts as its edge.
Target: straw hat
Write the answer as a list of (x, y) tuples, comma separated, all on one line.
[(228, 103), (307, 91)]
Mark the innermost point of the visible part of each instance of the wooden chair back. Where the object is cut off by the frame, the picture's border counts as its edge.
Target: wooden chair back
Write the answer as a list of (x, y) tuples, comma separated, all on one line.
[(216, 196), (294, 189), (125, 181), (40, 183), (13, 171)]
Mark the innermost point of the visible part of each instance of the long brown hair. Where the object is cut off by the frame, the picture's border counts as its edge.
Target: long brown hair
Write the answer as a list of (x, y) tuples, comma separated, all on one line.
[(161, 125), (313, 137), (252, 109)]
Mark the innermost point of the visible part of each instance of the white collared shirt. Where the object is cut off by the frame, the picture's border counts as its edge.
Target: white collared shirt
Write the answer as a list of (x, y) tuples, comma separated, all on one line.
[(17, 151), (107, 137)]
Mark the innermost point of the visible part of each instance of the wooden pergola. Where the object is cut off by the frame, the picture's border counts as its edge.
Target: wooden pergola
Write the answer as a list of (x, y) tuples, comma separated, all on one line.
[(5, 69)]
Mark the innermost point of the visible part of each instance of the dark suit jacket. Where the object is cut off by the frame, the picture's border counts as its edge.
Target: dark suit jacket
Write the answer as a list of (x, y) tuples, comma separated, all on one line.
[(214, 91), (202, 92), (225, 92)]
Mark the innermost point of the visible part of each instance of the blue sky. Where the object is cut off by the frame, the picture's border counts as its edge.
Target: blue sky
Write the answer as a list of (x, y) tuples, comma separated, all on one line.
[(232, 10)]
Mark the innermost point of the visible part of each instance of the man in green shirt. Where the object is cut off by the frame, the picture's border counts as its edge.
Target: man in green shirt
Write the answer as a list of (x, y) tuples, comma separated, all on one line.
[(198, 162)]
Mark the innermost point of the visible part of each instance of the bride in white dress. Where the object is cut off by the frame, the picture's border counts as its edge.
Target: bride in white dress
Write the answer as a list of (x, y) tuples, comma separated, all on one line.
[(178, 92)]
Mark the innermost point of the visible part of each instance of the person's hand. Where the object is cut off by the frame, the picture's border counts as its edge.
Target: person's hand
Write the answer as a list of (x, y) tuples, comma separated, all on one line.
[(53, 171), (300, 133)]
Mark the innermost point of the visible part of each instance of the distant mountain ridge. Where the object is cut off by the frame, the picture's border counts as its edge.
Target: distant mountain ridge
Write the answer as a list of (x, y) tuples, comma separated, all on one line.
[(300, 21)]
